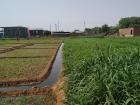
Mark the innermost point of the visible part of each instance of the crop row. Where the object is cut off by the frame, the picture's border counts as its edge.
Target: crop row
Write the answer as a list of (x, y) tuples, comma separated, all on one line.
[(102, 71)]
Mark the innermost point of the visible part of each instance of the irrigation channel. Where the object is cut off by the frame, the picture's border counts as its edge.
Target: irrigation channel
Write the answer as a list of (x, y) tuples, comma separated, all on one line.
[(49, 81)]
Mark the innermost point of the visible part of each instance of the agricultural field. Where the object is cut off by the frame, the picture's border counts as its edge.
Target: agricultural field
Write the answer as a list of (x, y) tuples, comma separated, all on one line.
[(26, 100), (48, 99), (26, 62), (33, 40), (97, 71), (4, 46), (102, 71)]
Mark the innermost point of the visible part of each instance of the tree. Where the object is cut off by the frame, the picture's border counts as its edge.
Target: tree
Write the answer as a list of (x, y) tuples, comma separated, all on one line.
[(97, 30), (105, 29), (88, 30), (114, 30), (129, 22), (93, 31)]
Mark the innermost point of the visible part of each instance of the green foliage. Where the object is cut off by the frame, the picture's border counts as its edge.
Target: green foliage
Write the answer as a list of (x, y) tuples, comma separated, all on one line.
[(129, 22), (114, 30), (105, 29), (95, 30), (102, 71)]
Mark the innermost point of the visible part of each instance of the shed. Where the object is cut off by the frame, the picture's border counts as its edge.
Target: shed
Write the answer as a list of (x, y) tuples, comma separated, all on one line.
[(130, 32)]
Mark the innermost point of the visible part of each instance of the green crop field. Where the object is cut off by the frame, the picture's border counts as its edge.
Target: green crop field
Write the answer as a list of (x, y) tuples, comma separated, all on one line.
[(98, 71), (102, 71)]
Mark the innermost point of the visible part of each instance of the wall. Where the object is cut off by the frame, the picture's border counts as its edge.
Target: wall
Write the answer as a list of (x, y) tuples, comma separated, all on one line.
[(127, 32), (137, 31), (12, 32)]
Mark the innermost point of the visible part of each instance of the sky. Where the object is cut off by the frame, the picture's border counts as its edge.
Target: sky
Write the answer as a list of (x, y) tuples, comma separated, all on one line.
[(70, 14)]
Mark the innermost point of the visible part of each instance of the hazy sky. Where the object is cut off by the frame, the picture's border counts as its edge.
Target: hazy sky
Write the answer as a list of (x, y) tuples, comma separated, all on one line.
[(70, 13)]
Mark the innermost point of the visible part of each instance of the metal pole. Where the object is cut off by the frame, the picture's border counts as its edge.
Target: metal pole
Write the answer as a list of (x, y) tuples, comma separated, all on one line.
[(56, 27)]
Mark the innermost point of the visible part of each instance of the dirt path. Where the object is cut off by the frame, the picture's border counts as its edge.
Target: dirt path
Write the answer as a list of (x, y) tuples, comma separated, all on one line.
[(58, 88)]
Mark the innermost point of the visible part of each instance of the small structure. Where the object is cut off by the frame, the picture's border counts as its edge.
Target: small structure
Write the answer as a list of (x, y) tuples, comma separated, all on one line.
[(130, 32), (16, 32), (37, 33), (47, 33), (61, 34)]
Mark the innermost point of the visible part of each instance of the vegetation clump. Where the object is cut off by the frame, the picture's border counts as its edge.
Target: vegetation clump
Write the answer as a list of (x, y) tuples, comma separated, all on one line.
[(106, 73)]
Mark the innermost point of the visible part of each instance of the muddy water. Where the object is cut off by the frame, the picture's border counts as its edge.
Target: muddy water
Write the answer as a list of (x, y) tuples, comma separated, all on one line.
[(50, 80)]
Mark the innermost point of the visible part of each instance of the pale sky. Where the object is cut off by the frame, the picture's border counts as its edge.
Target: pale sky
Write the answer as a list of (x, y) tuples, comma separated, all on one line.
[(70, 13)]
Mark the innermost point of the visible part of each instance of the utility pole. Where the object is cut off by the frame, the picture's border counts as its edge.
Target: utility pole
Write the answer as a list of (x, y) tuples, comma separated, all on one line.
[(56, 27), (50, 28), (84, 24)]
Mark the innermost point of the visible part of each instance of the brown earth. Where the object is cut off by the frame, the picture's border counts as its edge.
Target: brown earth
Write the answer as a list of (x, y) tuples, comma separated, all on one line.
[(58, 91), (32, 80)]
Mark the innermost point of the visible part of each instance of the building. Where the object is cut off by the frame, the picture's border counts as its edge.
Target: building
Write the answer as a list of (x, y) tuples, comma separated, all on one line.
[(16, 32), (1, 33), (130, 32), (37, 33)]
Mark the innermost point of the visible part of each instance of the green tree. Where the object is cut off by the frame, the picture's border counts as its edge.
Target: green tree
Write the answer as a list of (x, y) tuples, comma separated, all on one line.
[(105, 29), (88, 30), (129, 22), (97, 30), (114, 30)]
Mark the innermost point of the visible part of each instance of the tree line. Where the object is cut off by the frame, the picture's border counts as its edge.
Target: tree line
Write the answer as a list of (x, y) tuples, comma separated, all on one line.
[(112, 30)]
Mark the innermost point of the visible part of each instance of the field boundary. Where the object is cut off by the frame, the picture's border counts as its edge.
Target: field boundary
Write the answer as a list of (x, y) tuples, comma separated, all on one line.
[(33, 91), (33, 80), (14, 48)]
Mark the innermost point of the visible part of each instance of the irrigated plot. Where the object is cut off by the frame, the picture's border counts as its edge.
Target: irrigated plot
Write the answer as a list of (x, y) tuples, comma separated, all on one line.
[(10, 47), (42, 46), (48, 99), (5, 46), (28, 62), (28, 53)]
